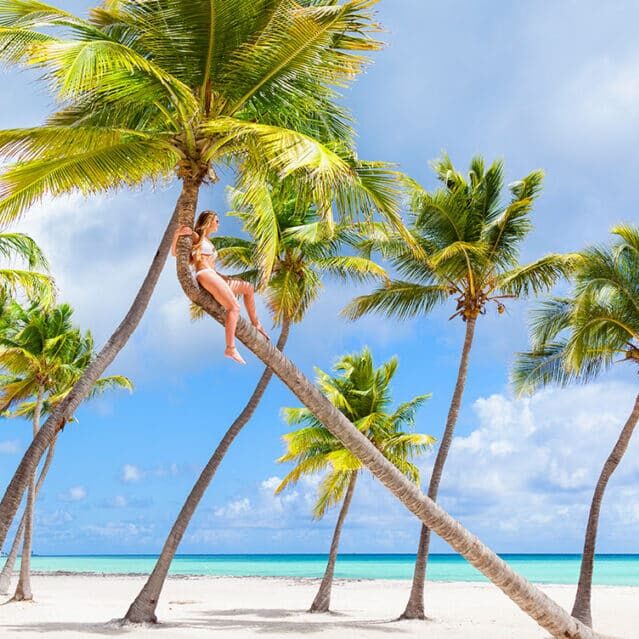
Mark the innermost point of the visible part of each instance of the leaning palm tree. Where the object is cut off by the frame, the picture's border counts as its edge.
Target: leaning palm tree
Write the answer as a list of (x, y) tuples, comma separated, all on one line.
[(289, 252), (42, 357), (34, 284), (579, 337), (164, 89), (362, 392), (470, 242)]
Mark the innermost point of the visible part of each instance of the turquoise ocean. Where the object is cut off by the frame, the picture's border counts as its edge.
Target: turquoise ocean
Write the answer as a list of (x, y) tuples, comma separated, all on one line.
[(613, 570)]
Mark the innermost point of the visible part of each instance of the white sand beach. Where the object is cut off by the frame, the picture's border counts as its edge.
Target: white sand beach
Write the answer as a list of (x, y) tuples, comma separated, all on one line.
[(238, 608)]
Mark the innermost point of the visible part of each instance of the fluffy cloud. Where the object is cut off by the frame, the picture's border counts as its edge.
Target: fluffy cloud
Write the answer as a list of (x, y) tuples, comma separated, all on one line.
[(131, 474), (529, 468), (10, 447), (76, 493)]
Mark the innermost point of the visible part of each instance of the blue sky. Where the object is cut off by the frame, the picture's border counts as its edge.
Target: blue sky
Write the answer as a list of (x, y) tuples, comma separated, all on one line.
[(543, 85)]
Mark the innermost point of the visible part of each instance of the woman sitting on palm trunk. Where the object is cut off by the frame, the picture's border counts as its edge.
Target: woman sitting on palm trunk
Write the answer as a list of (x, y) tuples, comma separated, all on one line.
[(223, 289)]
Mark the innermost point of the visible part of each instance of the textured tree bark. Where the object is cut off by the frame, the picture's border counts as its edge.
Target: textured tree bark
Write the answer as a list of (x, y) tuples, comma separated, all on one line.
[(322, 601), (15, 490), (415, 606), (548, 614), (143, 608), (9, 564), (23, 589), (582, 607)]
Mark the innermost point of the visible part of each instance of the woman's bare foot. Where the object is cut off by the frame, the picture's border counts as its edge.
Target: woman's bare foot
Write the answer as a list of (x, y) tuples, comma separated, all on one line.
[(260, 329), (232, 353)]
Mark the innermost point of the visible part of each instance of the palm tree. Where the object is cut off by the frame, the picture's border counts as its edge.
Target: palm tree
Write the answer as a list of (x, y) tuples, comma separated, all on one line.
[(43, 355), (362, 392), (291, 249), (35, 285), (470, 243), (579, 337), (161, 89)]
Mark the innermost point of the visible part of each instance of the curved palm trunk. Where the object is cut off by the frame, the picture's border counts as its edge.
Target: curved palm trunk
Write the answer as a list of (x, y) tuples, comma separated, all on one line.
[(530, 599), (322, 601), (415, 606), (23, 589), (581, 608), (143, 608), (9, 565), (15, 490)]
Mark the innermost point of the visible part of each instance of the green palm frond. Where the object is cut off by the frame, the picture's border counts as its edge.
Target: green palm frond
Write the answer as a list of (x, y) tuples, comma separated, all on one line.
[(93, 170), (398, 299), (331, 491), (536, 277)]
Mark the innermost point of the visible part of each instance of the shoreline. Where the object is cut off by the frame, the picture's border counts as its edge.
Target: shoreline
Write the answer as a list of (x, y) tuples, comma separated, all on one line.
[(206, 606), (294, 578)]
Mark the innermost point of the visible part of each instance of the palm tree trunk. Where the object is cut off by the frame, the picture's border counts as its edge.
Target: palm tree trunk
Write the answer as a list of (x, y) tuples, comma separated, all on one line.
[(415, 606), (581, 608), (23, 589), (322, 601), (531, 600), (9, 565), (143, 608), (15, 490)]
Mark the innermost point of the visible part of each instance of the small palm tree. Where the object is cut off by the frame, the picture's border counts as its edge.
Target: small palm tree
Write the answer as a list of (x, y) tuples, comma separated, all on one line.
[(42, 356), (156, 91), (470, 245), (362, 392), (290, 251), (35, 285), (575, 339)]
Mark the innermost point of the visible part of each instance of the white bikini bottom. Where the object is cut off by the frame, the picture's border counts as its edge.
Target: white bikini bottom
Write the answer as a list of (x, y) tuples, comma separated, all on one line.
[(204, 270)]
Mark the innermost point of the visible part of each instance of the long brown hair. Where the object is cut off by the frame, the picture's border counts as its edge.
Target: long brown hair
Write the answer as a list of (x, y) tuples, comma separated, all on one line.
[(202, 222)]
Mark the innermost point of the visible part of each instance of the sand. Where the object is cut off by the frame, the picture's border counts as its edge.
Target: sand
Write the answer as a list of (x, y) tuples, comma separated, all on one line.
[(79, 606)]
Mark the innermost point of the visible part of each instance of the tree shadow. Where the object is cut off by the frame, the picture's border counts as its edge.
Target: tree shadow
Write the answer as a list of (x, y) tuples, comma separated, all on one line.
[(257, 620)]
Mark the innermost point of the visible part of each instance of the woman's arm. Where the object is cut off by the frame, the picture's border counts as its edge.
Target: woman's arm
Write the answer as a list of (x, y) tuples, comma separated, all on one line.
[(183, 230)]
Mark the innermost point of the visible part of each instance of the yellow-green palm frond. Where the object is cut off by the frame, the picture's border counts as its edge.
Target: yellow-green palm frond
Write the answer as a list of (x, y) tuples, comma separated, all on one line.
[(36, 286), (399, 299), (292, 44), (309, 466), (23, 247), (352, 268), (111, 382), (88, 171), (538, 276), (284, 151), (331, 491)]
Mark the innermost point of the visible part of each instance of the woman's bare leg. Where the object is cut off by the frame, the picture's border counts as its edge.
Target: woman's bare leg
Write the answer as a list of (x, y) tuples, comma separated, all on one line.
[(220, 290), (246, 290)]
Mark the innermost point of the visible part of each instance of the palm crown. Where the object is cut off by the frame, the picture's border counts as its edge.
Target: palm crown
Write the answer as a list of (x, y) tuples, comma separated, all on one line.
[(362, 393), (574, 338), (470, 246), (154, 88), (44, 354)]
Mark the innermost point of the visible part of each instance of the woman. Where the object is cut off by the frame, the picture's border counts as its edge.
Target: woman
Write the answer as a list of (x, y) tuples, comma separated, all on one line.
[(223, 289)]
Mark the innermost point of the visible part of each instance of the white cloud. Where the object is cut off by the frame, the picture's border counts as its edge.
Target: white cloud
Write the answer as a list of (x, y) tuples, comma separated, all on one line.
[(234, 509), (131, 474), (123, 531), (529, 468), (9, 447), (76, 493)]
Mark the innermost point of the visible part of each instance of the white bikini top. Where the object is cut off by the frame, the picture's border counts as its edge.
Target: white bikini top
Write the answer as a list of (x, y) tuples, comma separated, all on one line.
[(206, 249)]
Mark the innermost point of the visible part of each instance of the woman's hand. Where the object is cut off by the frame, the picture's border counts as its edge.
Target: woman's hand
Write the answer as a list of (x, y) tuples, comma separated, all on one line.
[(183, 230)]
